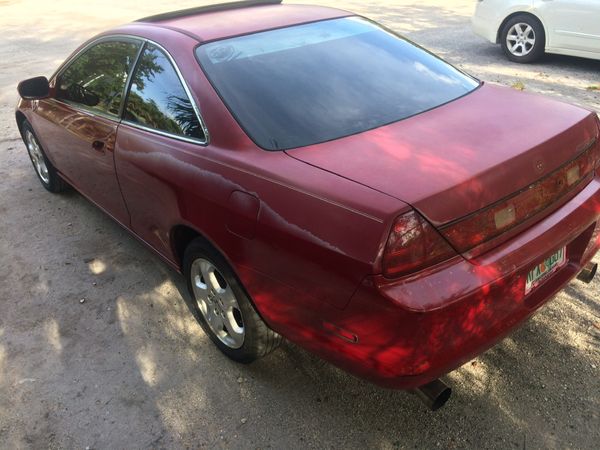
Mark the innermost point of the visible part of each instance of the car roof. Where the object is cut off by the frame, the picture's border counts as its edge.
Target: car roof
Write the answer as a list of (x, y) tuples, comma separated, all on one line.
[(210, 23)]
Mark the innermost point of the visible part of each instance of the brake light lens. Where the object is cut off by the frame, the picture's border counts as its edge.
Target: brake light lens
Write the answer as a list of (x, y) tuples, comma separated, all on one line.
[(413, 245)]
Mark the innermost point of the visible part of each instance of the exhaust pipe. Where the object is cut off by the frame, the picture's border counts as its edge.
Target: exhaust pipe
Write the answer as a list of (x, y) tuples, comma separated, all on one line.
[(434, 394), (588, 273)]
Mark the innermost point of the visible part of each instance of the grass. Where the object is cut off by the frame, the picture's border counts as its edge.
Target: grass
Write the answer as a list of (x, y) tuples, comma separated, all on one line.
[(518, 85)]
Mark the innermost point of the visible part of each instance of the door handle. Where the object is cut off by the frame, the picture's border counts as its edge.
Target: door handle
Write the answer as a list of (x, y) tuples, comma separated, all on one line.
[(98, 145)]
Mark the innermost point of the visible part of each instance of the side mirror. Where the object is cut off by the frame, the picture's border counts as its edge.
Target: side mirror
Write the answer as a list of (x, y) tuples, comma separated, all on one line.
[(34, 88)]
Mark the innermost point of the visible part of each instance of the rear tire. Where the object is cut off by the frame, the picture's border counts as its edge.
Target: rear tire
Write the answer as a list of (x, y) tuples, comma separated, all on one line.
[(223, 308), (523, 39), (44, 169)]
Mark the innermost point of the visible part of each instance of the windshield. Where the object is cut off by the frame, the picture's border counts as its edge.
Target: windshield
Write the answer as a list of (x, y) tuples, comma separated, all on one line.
[(312, 83)]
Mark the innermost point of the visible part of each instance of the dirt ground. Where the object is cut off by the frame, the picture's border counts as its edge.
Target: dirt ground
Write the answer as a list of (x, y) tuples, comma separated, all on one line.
[(130, 367)]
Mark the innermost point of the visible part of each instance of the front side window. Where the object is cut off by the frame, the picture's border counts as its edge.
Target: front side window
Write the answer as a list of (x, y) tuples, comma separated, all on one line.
[(158, 100), (312, 83), (96, 79)]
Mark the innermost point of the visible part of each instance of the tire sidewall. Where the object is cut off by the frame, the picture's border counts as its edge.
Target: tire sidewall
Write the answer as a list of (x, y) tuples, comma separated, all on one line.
[(540, 39)]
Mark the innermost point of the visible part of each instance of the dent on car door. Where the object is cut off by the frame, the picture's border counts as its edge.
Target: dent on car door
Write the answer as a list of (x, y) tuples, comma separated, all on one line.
[(572, 24), (79, 121), (159, 131)]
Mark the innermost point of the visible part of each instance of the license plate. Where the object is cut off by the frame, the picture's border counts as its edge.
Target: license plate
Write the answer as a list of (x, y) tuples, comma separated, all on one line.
[(546, 268)]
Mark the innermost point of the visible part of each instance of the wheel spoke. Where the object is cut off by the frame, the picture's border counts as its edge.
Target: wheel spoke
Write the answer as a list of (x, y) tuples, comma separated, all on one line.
[(215, 321), (205, 268), (208, 273), (227, 298), (199, 284), (200, 288), (236, 333), (201, 295)]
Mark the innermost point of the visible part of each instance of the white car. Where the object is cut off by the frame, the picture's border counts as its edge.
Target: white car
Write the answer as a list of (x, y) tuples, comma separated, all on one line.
[(528, 28)]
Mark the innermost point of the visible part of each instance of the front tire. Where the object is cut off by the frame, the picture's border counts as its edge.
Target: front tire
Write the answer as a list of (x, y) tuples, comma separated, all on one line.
[(44, 169), (523, 39), (223, 308)]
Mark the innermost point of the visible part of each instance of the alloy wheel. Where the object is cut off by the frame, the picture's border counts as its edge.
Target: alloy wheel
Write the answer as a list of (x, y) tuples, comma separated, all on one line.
[(37, 157), (520, 39), (217, 303)]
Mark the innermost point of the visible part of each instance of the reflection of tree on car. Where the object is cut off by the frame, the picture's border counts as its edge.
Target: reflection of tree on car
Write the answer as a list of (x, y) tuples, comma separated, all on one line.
[(148, 113), (98, 77), (184, 114), (178, 116), (157, 98)]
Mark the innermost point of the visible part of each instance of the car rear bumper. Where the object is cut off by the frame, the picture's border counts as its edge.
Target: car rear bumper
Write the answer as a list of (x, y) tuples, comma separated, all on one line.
[(405, 333)]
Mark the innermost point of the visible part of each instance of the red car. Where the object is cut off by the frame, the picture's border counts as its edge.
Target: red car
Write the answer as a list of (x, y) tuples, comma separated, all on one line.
[(318, 177)]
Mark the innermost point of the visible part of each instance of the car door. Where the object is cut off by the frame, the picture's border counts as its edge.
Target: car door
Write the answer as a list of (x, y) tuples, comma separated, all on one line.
[(80, 119), (572, 24), (161, 125)]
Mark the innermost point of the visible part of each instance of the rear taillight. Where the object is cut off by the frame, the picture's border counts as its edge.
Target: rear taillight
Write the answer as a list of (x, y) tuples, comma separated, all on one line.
[(413, 245), (506, 214)]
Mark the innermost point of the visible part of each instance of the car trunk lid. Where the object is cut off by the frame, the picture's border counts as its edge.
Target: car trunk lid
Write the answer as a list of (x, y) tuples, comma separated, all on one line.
[(462, 157)]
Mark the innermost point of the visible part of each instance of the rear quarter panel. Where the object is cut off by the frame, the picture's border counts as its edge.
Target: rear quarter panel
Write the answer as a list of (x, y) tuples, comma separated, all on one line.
[(316, 233)]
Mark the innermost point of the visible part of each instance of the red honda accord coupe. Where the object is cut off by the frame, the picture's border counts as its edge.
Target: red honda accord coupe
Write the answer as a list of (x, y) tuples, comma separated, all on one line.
[(318, 177)]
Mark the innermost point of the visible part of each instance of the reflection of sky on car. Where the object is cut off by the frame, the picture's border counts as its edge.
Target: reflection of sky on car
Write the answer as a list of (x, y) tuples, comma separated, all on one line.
[(285, 39)]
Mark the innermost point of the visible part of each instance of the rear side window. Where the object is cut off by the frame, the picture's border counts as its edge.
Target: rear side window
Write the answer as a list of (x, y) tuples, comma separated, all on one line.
[(96, 78), (158, 100), (311, 83)]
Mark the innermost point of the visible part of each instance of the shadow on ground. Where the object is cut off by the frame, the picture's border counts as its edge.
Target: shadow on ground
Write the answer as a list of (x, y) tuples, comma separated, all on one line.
[(131, 357)]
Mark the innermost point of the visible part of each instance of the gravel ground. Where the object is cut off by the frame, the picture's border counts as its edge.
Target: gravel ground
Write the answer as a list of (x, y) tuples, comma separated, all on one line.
[(130, 368)]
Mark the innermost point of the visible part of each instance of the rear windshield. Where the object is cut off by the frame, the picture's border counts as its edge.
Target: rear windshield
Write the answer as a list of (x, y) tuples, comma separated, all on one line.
[(312, 83)]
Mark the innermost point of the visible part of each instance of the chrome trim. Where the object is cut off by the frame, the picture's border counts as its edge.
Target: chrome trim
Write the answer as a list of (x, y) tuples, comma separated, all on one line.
[(119, 118), (83, 110), (163, 133), (111, 37), (128, 81)]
